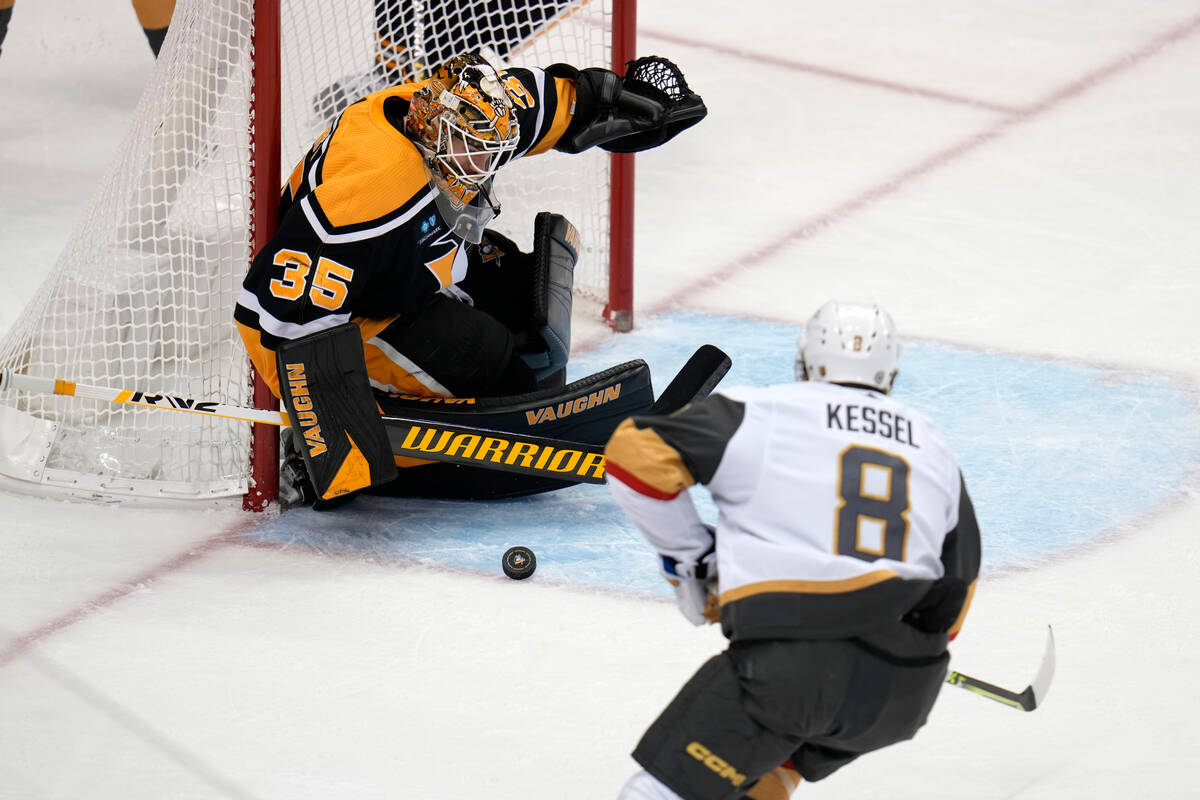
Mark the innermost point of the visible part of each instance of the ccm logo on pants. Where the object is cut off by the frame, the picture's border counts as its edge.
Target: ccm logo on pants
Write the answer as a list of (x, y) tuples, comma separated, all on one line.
[(715, 763)]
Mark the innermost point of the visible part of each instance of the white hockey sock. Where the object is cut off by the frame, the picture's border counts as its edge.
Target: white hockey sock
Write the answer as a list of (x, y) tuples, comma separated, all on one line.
[(644, 786)]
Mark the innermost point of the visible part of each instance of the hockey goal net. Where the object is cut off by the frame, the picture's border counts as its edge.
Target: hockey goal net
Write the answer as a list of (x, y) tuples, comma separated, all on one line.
[(143, 293)]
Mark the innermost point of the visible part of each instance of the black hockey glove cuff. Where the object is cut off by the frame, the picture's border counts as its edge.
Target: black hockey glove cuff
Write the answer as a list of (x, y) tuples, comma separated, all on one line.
[(644, 109), (604, 111)]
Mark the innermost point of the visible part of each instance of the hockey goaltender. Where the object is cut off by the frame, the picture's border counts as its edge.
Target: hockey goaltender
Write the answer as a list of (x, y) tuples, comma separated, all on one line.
[(384, 295)]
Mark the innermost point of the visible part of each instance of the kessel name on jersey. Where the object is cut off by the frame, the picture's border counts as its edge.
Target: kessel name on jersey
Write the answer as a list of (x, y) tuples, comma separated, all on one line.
[(868, 419)]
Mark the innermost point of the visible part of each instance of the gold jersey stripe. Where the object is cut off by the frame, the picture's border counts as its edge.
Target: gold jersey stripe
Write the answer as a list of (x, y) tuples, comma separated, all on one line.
[(387, 372), (643, 454), (263, 358), (809, 587), (562, 116), (962, 615), (293, 182), (357, 188)]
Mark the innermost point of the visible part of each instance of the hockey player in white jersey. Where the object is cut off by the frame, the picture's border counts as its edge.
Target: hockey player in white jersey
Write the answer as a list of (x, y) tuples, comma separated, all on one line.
[(842, 563)]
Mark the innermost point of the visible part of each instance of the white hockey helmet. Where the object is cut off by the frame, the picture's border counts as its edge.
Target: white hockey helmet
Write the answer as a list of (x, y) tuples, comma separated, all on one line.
[(849, 343)]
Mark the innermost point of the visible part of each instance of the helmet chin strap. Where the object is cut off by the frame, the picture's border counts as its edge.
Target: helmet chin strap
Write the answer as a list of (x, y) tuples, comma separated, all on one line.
[(485, 189)]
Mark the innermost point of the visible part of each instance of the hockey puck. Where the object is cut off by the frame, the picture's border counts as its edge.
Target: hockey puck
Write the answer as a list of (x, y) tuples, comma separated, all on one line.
[(518, 562)]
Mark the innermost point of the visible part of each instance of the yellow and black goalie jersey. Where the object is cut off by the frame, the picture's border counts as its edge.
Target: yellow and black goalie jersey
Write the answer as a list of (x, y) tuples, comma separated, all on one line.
[(360, 236)]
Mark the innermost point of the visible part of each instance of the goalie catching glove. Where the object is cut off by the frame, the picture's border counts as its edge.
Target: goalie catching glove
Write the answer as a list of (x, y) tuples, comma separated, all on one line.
[(647, 107)]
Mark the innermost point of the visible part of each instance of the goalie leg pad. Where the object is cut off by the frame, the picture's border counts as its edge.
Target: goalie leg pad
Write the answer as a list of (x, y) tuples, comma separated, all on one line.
[(555, 251), (530, 293), (332, 410)]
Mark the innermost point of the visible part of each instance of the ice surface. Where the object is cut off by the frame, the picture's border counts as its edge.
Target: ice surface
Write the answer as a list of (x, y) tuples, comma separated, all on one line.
[(1016, 182)]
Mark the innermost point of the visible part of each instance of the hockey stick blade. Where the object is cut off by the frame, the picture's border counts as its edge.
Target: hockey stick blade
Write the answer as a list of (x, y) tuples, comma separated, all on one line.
[(1029, 698), (694, 381)]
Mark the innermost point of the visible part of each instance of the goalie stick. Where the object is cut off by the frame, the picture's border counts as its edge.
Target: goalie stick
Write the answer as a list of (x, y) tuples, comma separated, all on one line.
[(509, 452), (694, 381), (454, 443), (1029, 698)]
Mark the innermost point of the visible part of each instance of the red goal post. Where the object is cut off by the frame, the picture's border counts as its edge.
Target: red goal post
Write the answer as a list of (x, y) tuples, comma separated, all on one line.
[(143, 293)]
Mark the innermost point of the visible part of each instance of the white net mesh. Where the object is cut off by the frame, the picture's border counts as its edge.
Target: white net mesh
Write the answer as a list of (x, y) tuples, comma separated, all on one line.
[(143, 294), (377, 43)]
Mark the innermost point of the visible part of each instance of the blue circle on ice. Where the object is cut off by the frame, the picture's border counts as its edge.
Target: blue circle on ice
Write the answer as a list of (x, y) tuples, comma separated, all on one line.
[(1055, 454)]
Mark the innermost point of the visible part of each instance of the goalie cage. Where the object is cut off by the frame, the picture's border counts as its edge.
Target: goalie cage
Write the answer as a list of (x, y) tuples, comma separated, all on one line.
[(142, 296)]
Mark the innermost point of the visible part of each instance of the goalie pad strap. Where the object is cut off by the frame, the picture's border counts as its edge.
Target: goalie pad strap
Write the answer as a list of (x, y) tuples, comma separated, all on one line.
[(555, 251), (331, 407)]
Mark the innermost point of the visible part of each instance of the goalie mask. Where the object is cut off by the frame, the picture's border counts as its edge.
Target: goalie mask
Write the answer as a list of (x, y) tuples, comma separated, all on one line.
[(464, 125), (849, 343)]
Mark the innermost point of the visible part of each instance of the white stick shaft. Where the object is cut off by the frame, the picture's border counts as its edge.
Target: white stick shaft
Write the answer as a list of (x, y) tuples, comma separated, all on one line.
[(211, 408)]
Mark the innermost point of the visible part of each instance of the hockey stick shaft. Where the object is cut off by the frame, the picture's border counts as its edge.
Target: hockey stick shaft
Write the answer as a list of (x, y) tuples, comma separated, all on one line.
[(695, 381), (15, 380), (1028, 698), (418, 437), (436, 441), (991, 691)]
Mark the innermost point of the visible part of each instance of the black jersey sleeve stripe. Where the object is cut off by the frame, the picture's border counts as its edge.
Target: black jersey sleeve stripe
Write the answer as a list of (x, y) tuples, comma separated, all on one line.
[(536, 121), (962, 550), (699, 432), (962, 553)]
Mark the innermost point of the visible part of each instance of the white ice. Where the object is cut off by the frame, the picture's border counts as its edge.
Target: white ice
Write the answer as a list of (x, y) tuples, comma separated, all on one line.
[(1009, 176)]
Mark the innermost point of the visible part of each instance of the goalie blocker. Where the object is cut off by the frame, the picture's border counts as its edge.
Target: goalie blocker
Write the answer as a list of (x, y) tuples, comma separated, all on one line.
[(330, 404)]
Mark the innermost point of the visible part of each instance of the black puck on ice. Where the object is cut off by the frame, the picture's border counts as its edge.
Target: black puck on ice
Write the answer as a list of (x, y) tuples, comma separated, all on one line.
[(518, 562)]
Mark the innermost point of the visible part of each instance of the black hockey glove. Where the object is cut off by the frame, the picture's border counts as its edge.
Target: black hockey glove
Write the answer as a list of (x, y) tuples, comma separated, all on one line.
[(644, 109)]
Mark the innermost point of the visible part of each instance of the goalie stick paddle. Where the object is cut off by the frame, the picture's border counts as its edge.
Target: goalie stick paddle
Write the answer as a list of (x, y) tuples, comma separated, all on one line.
[(1029, 698), (498, 450), (694, 381)]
